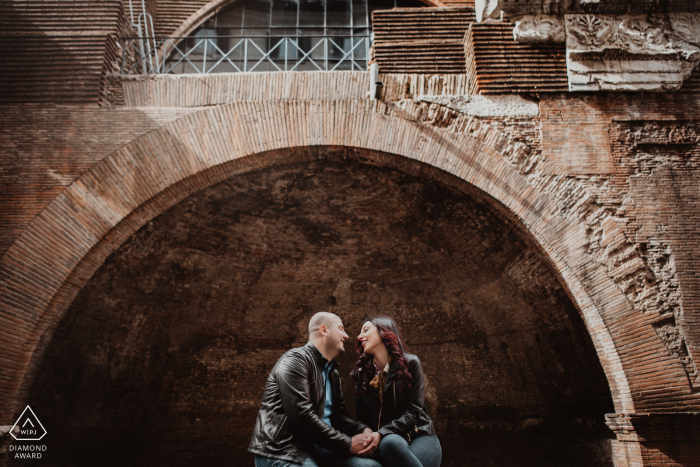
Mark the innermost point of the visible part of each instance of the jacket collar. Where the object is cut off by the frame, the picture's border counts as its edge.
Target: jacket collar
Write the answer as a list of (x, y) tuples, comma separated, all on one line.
[(318, 356)]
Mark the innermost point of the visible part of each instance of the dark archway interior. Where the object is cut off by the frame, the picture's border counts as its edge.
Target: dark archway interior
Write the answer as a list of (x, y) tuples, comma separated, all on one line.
[(162, 357)]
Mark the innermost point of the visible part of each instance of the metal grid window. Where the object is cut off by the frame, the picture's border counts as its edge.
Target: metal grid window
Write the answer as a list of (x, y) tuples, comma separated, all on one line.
[(278, 35)]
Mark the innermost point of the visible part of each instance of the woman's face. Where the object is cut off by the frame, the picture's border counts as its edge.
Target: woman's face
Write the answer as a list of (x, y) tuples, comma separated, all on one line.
[(369, 337)]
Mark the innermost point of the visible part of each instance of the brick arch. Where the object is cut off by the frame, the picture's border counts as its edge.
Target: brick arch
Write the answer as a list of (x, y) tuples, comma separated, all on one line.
[(66, 243)]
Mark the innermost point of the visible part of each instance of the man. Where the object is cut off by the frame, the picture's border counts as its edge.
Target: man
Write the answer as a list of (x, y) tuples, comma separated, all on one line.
[(302, 419)]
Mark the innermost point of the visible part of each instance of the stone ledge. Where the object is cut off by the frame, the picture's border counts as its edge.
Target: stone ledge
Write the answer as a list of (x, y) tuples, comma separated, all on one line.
[(655, 427)]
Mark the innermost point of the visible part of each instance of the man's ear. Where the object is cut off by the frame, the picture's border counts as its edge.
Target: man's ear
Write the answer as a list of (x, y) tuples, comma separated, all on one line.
[(323, 330)]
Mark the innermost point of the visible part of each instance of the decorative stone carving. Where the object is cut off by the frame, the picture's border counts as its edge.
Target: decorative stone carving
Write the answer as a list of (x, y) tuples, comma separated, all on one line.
[(588, 32), (631, 52), (540, 28), (491, 10), (686, 27)]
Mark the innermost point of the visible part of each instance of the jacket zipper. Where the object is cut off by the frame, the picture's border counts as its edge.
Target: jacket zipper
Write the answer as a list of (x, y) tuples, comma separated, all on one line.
[(379, 423), (395, 413), (279, 430)]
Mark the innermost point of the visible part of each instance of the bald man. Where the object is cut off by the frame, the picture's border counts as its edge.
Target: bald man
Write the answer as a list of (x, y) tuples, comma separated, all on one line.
[(302, 419)]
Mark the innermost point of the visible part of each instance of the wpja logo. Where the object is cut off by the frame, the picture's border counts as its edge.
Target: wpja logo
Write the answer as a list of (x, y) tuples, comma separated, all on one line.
[(27, 428)]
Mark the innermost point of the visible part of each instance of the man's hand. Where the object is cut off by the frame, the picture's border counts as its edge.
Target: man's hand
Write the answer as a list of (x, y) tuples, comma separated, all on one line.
[(371, 444), (358, 443)]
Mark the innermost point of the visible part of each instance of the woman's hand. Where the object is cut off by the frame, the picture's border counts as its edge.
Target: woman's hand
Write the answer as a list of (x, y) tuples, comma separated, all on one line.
[(371, 444)]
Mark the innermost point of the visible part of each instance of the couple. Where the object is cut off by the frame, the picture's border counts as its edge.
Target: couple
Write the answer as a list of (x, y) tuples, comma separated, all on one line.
[(303, 420)]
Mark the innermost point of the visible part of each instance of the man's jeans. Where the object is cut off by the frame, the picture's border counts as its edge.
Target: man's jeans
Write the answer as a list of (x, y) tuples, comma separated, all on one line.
[(319, 457)]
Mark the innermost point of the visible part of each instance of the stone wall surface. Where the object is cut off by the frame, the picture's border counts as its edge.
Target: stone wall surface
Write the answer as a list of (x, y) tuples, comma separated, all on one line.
[(600, 191), (172, 339), (164, 239), (643, 237)]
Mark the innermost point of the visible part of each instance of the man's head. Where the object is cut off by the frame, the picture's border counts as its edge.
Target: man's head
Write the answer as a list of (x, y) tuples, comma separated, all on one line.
[(326, 332)]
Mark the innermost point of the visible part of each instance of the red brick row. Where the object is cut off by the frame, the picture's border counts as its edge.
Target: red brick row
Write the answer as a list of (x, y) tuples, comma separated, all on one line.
[(421, 40), (495, 63)]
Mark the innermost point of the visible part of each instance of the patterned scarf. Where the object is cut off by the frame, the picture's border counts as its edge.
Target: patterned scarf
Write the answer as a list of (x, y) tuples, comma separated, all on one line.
[(379, 379)]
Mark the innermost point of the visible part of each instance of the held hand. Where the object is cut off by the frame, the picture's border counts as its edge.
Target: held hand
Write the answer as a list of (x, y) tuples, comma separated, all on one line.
[(367, 432), (371, 444), (358, 443)]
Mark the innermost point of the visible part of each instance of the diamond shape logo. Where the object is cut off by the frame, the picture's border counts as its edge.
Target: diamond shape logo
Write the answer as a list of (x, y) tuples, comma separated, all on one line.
[(28, 426)]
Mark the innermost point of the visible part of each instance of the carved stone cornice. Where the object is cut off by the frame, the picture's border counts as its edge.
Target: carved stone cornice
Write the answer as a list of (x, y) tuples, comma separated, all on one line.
[(655, 50), (634, 52), (636, 34), (540, 28), (493, 10)]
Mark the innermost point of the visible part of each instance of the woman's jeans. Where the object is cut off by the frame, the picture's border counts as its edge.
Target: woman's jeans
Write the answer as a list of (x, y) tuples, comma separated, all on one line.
[(424, 451)]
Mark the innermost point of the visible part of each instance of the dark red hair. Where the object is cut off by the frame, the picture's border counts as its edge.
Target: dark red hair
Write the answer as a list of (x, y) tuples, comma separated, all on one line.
[(365, 369)]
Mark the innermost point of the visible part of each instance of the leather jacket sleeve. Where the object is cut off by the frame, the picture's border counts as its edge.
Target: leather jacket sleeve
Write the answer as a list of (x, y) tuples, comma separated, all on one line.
[(416, 396), (341, 419), (295, 391)]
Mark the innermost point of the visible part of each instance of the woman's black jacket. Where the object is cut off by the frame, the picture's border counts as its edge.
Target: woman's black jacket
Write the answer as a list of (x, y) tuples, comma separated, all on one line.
[(401, 411)]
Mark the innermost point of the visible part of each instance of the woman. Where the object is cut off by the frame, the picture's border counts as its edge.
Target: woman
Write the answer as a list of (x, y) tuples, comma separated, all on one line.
[(390, 393)]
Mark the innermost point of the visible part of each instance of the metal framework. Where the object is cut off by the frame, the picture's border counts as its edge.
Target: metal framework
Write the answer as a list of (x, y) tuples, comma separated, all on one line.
[(245, 54), (262, 35)]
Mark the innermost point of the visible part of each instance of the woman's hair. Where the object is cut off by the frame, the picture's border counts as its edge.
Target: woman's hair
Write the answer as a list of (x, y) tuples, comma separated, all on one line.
[(365, 369)]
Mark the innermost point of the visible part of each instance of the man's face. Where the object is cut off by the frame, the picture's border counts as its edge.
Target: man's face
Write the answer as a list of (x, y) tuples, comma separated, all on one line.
[(336, 337)]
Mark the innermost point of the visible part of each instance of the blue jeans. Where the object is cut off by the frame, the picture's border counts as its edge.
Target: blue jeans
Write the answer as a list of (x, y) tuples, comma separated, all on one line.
[(319, 457), (422, 452)]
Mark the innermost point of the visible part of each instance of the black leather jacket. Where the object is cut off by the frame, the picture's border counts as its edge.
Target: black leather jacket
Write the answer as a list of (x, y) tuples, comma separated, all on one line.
[(290, 420), (401, 411)]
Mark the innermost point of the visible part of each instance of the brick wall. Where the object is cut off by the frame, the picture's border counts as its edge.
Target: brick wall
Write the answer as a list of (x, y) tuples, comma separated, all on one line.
[(421, 40), (495, 63), (647, 190), (172, 13), (45, 149), (375, 115), (50, 53), (604, 185), (641, 151)]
